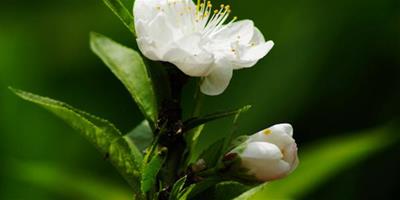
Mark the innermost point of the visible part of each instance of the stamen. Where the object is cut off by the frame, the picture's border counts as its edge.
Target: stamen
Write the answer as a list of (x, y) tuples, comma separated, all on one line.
[(200, 18)]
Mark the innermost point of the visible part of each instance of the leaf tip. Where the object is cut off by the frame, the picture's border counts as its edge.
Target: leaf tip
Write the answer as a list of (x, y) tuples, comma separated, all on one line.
[(17, 92), (246, 108)]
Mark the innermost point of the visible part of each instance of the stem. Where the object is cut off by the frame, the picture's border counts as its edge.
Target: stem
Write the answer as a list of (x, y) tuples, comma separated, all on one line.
[(171, 118)]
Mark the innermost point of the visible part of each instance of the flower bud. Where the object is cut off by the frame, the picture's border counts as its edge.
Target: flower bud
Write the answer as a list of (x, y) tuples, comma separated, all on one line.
[(269, 154)]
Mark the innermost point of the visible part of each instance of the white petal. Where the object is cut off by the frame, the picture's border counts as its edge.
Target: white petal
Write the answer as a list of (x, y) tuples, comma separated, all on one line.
[(257, 52), (261, 151), (240, 31), (217, 81), (149, 49), (146, 9), (189, 57), (160, 31), (283, 128), (154, 37), (264, 161), (267, 171), (280, 135), (249, 55), (258, 37), (290, 156), (189, 64)]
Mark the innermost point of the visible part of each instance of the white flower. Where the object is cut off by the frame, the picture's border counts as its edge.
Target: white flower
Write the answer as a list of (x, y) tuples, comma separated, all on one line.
[(270, 154), (197, 40)]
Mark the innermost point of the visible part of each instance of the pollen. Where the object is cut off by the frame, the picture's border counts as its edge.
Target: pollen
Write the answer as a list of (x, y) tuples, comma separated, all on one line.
[(267, 132)]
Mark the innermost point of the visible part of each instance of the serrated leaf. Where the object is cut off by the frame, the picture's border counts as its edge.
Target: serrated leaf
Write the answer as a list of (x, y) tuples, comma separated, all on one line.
[(197, 121), (177, 188), (130, 69), (150, 172), (119, 9), (323, 160), (101, 133), (141, 135)]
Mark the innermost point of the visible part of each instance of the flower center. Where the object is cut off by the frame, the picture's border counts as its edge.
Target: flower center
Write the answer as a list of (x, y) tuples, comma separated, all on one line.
[(201, 18)]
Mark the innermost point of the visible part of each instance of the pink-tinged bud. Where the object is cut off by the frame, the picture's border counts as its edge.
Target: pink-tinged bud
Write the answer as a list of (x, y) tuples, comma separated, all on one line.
[(269, 154)]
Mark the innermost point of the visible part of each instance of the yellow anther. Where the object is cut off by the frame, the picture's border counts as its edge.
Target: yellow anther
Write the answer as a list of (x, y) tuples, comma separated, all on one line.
[(222, 5), (267, 132), (227, 7), (216, 11)]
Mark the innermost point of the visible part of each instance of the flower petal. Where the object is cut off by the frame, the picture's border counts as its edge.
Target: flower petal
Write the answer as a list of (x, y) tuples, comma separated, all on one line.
[(252, 54), (147, 9), (261, 151), (148, 48), (240, 31), (154, 37), (290, 156), (217, 81), (258, 37), (264, 161), (283, 128), (189, 56), (280, 135)]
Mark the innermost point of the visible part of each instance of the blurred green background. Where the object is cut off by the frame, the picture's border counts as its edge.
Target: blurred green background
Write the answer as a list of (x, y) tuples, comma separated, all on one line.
[(335, 70)]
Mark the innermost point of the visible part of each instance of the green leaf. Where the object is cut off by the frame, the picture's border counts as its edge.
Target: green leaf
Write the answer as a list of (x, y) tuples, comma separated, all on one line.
[(323, 160), (101, 133), (150, 172), (192, 138), (129, 67), (212, 153), (119, 9), (141, 135), (62, 181), (177, 188), (251, 193), (228, 190), (197, 121), (196, 189)]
